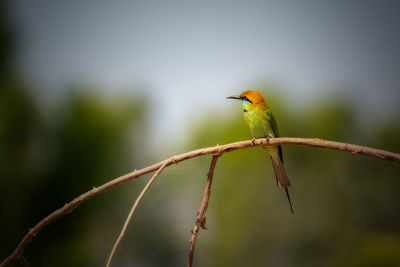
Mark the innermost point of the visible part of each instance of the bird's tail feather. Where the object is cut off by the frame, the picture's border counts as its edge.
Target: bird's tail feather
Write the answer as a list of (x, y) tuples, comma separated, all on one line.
[(282, 179), (288, 197)]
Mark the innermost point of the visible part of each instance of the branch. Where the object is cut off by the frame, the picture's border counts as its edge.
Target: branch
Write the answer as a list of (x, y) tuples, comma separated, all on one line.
[(128, 219), (219, 149), (201, 219)]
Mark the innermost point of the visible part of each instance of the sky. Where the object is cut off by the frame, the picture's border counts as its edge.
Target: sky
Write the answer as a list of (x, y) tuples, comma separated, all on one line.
[(190, 55)]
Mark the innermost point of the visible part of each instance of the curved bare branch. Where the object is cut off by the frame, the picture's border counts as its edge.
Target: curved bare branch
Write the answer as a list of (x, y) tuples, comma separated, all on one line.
[(219, 149), (128, 219), (201, 219)]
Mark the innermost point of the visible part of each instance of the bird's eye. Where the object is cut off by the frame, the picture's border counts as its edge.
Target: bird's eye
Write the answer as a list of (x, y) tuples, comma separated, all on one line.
[(246, 99)]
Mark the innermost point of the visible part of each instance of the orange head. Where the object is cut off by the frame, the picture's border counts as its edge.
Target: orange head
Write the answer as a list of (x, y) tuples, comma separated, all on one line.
[(251, 97)]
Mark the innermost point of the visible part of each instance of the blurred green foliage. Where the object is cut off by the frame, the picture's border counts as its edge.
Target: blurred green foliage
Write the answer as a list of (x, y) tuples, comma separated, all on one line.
[(48, 162), (346, 206)]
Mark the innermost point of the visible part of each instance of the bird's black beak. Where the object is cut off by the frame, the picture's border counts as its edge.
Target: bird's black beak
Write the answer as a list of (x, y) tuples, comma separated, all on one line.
[(234, 97)]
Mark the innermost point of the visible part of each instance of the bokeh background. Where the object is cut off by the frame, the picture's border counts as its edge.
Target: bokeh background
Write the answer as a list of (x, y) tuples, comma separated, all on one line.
[(90, 90)]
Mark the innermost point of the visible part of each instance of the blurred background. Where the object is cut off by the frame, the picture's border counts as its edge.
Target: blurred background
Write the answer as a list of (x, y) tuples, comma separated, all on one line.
[(93, 90)]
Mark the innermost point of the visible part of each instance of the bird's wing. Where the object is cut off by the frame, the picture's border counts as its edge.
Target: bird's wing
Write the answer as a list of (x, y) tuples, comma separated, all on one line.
[(274, 127), (272, 121)]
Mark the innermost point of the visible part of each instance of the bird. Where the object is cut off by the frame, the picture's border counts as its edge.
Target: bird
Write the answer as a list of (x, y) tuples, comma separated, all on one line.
[(262, 124)]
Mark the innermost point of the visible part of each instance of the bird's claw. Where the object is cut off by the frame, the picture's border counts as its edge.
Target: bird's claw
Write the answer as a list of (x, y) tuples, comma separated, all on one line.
[(253, 141)]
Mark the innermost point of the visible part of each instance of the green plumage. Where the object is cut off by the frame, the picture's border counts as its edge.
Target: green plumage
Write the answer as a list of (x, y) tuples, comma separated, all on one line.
[(262, 124)]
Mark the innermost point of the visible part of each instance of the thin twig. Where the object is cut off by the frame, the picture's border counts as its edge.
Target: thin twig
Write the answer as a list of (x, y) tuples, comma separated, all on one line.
[(201, 219), (219, 149), (24, 261), (128, 219)]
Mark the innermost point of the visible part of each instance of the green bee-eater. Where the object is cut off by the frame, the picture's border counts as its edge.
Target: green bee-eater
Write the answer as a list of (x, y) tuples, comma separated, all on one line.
[(262, 124)]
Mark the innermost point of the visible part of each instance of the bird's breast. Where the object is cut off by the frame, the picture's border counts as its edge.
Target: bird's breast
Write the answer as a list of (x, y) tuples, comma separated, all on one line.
[(257, 123)]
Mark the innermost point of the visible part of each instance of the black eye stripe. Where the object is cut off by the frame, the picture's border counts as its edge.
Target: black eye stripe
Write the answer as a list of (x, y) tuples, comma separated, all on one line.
[(245, 98)]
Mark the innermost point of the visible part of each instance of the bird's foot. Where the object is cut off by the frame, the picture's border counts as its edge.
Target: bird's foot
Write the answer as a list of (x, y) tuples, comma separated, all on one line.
[(253, 141)]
